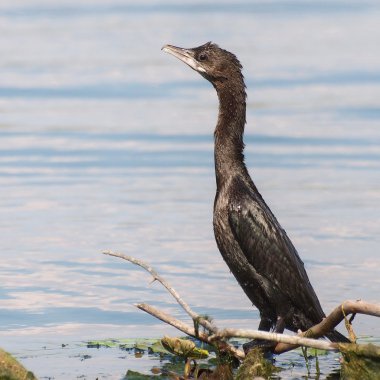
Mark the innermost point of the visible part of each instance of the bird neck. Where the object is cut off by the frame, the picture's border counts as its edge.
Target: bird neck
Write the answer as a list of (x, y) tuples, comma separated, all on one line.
[(229, 145)]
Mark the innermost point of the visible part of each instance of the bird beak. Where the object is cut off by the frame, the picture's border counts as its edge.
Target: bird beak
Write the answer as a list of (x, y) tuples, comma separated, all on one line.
[(185, 55)]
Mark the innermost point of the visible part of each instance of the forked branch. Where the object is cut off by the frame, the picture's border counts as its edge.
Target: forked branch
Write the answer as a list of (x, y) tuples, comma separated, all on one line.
[(156, 277), (215, 336)]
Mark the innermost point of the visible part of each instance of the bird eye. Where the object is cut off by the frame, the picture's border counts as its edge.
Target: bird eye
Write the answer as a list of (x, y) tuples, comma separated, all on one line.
[(202, 57)]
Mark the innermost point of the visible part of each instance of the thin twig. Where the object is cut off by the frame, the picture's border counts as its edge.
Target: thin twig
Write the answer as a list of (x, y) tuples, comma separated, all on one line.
[(196, 317)]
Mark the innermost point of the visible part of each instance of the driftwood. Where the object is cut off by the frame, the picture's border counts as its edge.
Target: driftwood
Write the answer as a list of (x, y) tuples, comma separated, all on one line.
[(213, 335)]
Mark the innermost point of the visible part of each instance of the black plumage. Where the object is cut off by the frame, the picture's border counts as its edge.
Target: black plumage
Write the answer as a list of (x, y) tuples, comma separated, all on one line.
[(252, 242)]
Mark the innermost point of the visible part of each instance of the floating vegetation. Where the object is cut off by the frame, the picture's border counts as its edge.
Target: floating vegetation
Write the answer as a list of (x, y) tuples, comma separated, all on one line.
[(131, 345), (133, 375), (187, 358)]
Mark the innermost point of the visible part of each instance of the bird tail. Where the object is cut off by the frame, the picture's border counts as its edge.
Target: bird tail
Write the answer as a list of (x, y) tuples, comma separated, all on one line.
[(336, 336)]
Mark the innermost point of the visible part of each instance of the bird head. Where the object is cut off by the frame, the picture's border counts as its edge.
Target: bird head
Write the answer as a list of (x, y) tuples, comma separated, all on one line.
[(213, 63)]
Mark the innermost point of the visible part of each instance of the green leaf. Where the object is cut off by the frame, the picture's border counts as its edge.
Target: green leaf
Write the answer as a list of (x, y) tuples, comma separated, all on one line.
[(183, 347), (157, 348)]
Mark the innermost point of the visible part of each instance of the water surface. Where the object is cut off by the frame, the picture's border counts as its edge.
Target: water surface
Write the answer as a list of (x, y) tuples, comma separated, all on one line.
[(106, 143)]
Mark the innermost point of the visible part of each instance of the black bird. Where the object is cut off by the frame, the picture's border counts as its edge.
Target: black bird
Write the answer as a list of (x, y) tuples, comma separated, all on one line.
[(251, 240)]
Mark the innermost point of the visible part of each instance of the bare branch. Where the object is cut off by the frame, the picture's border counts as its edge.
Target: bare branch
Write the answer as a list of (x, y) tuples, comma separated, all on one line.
[(196, 317), (167, 318), (189, 330), (338, 314), (333, 319), (294, 340)]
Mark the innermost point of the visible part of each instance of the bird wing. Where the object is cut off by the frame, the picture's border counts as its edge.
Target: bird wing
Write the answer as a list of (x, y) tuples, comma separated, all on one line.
[(269, 250)]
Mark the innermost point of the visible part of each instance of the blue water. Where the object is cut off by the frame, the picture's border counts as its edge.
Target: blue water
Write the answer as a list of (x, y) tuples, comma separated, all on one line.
[(106, 143)]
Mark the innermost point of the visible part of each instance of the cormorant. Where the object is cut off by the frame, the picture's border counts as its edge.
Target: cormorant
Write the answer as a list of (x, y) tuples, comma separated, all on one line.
[(252, 242)]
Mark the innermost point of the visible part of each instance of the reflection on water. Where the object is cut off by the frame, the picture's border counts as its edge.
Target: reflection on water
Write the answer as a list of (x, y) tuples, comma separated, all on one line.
[(107, 144)]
